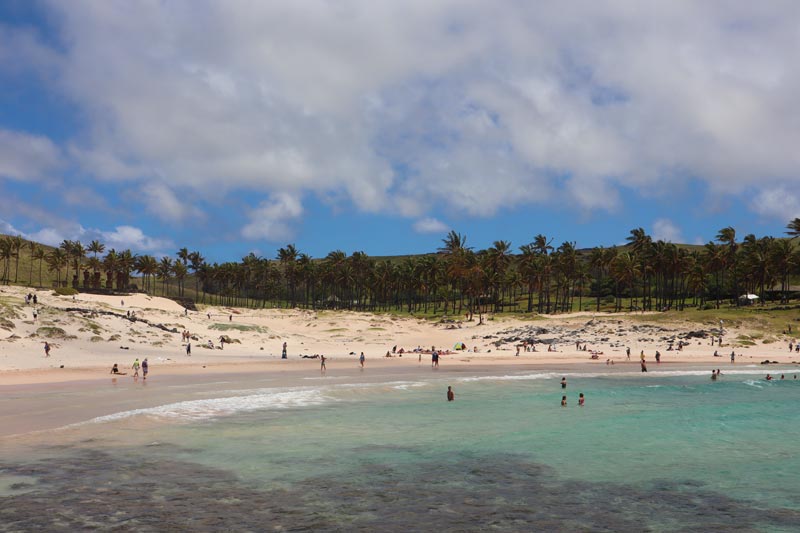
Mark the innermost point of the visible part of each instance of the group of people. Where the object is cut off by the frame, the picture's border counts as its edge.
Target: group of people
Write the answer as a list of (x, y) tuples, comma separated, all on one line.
[(581, 397), (770, 378), (144, 366)]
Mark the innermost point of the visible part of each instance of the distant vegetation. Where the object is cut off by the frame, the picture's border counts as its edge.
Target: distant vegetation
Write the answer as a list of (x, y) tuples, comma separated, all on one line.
[(455, 279)]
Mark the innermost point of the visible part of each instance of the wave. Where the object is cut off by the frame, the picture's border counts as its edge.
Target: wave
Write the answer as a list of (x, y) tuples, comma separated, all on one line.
[(650, 374), (195, 410)]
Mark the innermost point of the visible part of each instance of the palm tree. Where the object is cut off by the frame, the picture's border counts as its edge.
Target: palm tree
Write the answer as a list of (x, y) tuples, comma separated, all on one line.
[(196, 262), (56, 260), (288, 259), (31, 248), (38, 255), (793, 228), (17, 242), (499, 258), (164, 272), (6, 253), (727, 237), (111, 265), (179, 270), (96, 247)]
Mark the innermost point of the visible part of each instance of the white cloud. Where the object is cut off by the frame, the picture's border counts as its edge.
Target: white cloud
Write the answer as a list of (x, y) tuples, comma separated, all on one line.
[(777, 203), (163, 203), (121, 238), (430, 225), (275, 219), (27, 157), (124, 237), (666, 230), (483, 105)]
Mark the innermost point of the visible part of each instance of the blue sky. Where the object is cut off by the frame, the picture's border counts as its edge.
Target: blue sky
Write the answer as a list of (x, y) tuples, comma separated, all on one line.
[(231, 127)]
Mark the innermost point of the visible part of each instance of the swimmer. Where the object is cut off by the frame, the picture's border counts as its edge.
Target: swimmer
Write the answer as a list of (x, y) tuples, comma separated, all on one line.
[(581, 400), (563, 401), (450, 394), (768, 378), (564, 383), (714, 375)]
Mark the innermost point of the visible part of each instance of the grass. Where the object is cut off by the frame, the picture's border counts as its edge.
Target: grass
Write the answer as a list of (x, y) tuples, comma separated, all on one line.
[(237, 327)]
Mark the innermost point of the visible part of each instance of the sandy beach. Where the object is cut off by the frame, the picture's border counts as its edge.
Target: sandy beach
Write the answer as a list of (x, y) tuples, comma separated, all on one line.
[(88, 333)]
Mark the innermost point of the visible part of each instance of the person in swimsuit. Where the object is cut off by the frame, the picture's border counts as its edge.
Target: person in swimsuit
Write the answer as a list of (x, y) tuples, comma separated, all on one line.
[(450, 394), (283, 351), (563, 401), (714, 375), (769, 378), (361, 359), (644, 366), (563, 382), (322, 367), (144, 368), (581, 399), (114, 369)]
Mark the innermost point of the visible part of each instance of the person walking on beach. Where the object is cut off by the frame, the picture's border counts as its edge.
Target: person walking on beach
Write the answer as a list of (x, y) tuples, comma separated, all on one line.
[(283, 352), (451, 396), (361, 359), (322, 368), (135, 368), (434, 359), (145, 368), (189, 349), (581, 400), (628, 352), (563, 382), (733, 357), (46, 349)]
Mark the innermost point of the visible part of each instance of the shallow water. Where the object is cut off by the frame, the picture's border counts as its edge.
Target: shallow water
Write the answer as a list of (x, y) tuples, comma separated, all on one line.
[(669, 451)]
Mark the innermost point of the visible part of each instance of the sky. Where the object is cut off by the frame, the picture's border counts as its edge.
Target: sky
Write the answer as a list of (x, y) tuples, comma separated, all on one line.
[(232, 127)]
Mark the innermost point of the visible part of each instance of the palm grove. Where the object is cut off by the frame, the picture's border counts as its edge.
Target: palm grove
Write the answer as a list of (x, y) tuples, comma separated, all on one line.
[(644, 274)]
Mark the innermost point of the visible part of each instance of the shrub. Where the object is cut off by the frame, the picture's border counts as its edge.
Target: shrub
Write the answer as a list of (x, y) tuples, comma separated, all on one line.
[(65, 291)]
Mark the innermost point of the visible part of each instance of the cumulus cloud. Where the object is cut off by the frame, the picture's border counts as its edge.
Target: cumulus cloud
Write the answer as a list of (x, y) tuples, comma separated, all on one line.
[(163, 203), (471, 106), (777, 203), (27, 157), (275, 219), (666, 230), (120, 238), (430, 225)]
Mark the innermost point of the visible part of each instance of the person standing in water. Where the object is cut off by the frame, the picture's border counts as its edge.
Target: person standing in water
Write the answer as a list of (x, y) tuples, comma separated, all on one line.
[(451, 396), (322, 367), (644, 366), (563, 401), (563, 382), (135, 368), (361, 359), (145, 368), (581, 399)]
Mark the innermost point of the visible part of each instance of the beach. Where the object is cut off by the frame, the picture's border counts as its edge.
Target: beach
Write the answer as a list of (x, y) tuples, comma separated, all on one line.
[(240, 436)]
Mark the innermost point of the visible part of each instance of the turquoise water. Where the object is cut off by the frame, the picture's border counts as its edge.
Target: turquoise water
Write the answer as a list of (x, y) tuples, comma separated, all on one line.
[(669, 451)]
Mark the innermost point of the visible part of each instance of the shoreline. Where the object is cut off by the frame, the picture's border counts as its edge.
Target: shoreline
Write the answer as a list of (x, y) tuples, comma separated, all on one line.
[(95, 373), (27, 408)]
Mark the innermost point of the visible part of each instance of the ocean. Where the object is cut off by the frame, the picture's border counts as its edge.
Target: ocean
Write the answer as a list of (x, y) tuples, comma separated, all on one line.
[(670, 450)]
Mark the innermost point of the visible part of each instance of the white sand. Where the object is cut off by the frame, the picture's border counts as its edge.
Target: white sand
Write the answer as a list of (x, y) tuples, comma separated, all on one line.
[(96, 341)]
